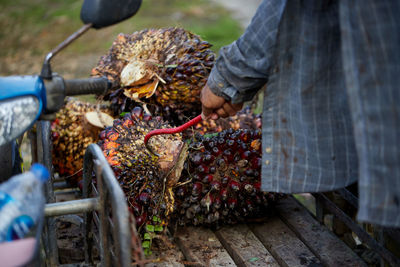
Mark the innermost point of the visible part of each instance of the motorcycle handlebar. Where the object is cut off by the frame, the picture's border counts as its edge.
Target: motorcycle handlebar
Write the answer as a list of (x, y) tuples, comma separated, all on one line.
[(87, 86)]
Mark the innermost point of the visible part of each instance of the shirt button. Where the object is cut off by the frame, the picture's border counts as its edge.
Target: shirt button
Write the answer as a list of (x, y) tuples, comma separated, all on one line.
[(220, 85), (268, 150), (267, 162)]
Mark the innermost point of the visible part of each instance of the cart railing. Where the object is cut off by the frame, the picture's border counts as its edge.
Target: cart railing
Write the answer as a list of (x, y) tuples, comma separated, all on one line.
[(107, 223), (374, 237)]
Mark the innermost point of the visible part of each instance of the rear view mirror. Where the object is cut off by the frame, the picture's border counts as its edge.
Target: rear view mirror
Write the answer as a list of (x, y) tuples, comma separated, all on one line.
[(103, 13)]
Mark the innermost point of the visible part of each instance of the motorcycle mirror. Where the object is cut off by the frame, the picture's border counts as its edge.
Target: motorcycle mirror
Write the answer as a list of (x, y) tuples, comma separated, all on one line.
[(103, 13), (20, 105)]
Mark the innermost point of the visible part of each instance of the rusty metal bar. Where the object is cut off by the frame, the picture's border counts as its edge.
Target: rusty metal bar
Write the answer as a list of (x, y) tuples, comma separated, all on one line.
[(349, 197), (358, 230), (46, 68), (104, 240), (109, 192), (44, 156), (71, 207), (65, 191), (380, 231), (60, 185)]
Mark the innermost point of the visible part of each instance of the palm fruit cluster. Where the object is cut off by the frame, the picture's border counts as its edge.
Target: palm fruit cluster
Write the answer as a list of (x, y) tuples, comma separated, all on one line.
[(244, 119), (140, 173), (71, 134), (169, 66), (221, 180)]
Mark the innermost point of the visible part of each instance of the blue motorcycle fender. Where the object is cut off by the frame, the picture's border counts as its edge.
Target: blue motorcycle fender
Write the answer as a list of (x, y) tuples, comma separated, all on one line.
[(17, 86)]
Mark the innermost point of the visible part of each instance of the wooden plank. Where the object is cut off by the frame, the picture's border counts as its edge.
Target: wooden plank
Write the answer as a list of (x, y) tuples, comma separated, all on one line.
[(244, 247), (202, 248), (323, 243), (283, 244), (167, 258)]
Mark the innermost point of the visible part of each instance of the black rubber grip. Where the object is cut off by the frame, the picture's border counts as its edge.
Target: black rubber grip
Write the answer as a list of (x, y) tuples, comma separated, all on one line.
[(87, 86)]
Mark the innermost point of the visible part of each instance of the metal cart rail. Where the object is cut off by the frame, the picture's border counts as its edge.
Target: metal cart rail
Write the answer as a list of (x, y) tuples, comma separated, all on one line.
[(107, 223)]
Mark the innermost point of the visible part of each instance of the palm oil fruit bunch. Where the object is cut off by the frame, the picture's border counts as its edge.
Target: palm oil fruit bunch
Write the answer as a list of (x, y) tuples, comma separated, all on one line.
[(244, 119), (170, 66), (71, 134), (141, 174), (221, 180)]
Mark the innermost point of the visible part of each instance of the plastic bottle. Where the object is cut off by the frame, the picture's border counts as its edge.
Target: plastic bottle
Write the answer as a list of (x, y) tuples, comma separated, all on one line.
[(22, 203)]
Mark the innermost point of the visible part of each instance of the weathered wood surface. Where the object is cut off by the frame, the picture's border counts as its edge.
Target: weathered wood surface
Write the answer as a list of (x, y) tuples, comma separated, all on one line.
[(283, 244), (171, 257), (202, 248), (323, 243), (291, 237), (244, 247)]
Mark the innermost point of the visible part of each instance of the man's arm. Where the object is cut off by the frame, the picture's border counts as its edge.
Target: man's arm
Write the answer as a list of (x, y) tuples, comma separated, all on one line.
[(242, 67)]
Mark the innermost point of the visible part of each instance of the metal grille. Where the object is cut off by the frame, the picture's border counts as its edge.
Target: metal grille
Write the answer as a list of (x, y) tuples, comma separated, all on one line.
[(107, 223), (325, 205)]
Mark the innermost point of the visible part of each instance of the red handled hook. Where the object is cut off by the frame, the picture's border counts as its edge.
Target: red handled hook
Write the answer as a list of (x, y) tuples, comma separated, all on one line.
[(179, 129)]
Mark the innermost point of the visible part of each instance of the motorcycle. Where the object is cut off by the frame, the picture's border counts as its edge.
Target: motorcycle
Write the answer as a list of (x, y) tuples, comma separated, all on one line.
[(25, 100)]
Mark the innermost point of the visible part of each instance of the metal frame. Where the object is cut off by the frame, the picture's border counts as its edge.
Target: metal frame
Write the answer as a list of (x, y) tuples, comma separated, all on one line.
[(104, 207), (43, 155), (113, 224), (324, 203)]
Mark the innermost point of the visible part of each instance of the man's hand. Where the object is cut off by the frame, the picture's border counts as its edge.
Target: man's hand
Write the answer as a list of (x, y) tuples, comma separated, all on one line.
[(214, 106)]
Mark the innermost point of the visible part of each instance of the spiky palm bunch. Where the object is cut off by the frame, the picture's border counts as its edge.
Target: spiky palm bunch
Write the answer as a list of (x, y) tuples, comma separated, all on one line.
[(71, 134), (169, 66), (141, 174), (218, 180)]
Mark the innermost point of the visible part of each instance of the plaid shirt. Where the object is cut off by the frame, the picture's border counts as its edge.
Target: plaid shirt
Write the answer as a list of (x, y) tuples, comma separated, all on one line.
[(331, 104)]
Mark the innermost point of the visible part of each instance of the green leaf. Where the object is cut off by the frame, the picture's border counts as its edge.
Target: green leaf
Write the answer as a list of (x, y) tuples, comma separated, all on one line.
[(254, 259), (123, 114), (150, 228), (210, 135), (147, 236), (156, 219), (146, 244), (158, 228), (147, 252)]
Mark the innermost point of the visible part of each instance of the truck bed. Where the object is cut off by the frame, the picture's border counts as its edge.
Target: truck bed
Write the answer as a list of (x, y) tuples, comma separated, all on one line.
[(289, 237)]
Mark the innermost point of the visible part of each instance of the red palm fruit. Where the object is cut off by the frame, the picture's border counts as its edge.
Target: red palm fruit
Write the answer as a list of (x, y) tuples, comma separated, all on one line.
[(147, 117), (224, 194), (138, 171), (228, 155), (203, 169), (196, 158), (233, 194), (207, 179), (245, 136), (141, 219), (207, 158), (232, 203), (215, 186), (197, 188), (211, 188), (256, 163), (137, 113), (234, 185), (217, 203)]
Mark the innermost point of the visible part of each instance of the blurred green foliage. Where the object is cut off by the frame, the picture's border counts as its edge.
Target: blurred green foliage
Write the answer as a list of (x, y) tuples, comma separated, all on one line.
[(37, 26)]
